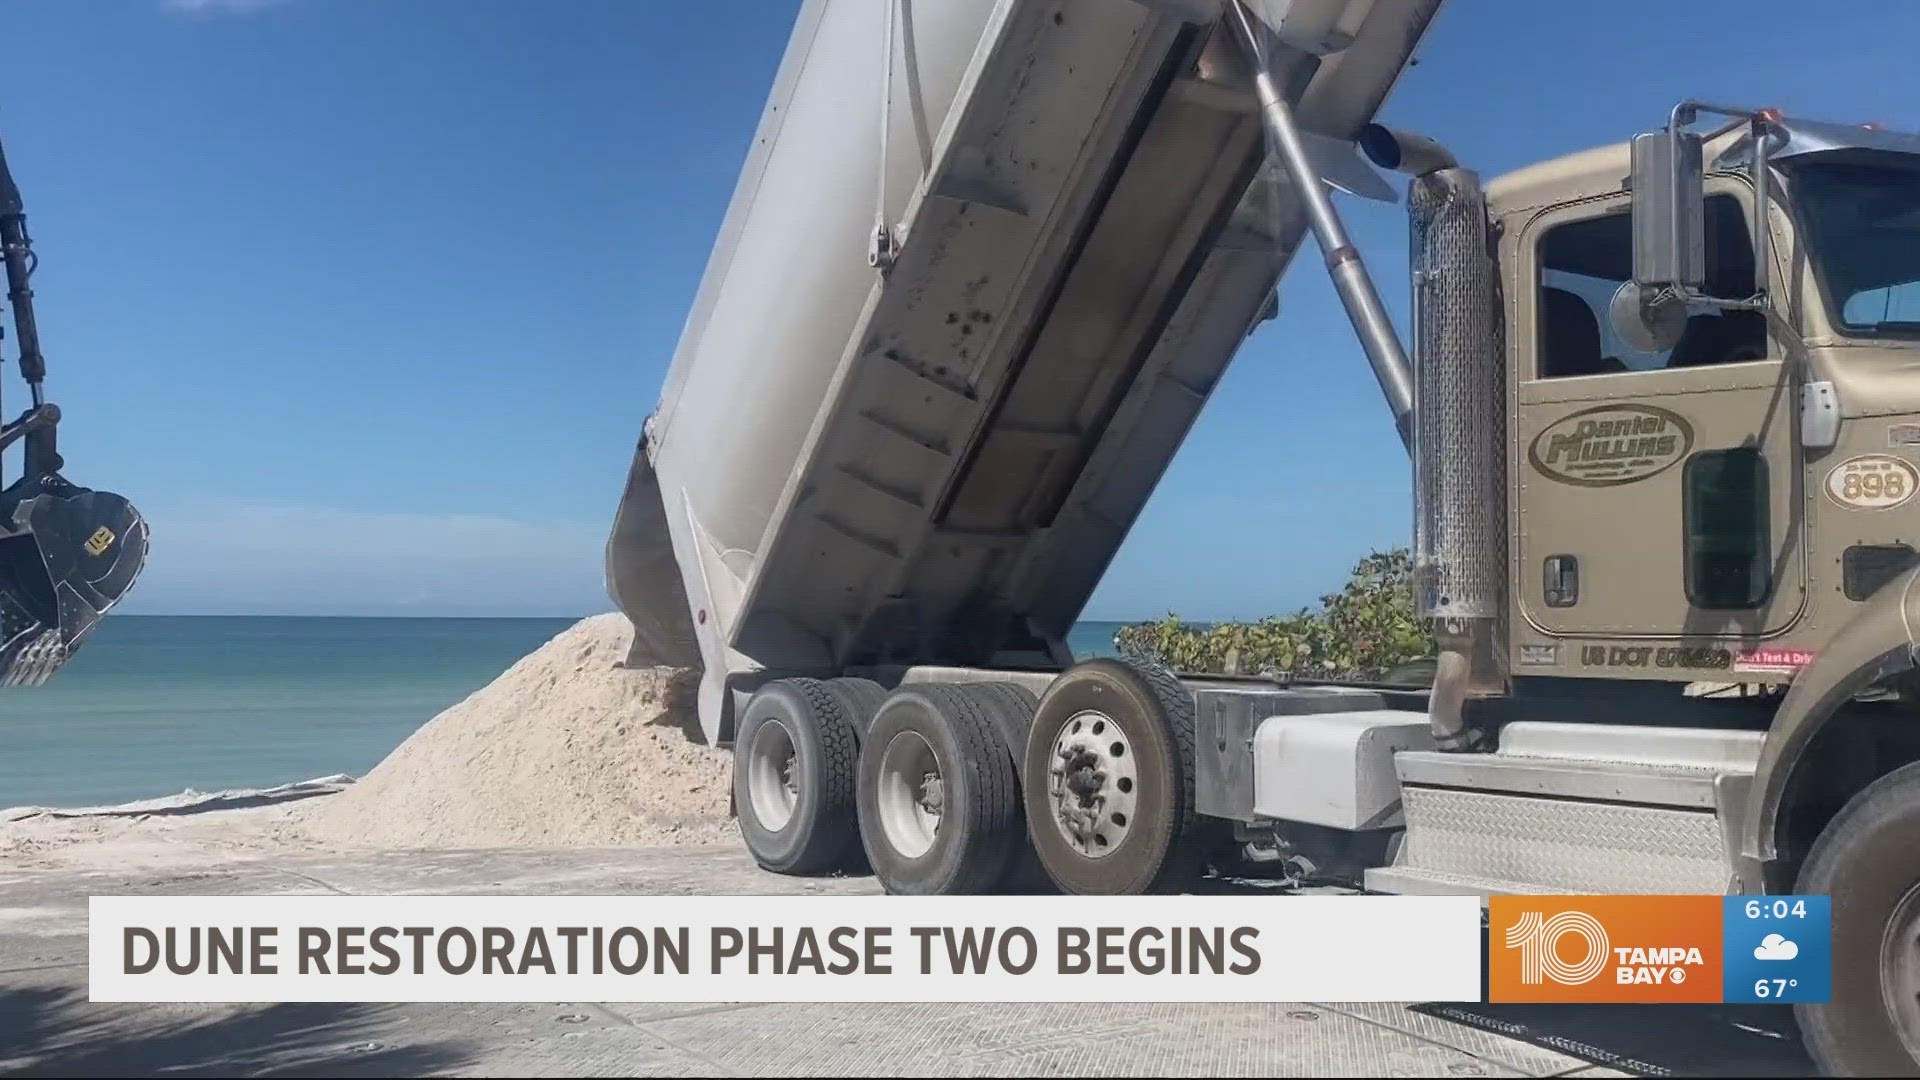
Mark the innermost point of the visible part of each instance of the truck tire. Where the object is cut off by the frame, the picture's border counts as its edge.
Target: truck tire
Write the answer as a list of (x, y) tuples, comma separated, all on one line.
[(794, 758), (1013, 707), (938, 798), (1868, 860), (860, 699), (1108, 777)]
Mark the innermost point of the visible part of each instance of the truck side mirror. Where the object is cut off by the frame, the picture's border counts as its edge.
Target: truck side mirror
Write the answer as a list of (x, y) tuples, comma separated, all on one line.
[(1669, 211), (1669, 241)]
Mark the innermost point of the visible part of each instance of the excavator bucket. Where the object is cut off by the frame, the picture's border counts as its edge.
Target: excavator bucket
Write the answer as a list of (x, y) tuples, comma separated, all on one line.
[(67, 554)]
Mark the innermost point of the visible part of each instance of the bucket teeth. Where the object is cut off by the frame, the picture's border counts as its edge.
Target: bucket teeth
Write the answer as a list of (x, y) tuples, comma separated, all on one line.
[(32, 660)]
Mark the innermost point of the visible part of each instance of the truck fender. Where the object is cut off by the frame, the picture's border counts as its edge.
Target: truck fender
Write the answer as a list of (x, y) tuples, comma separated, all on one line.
[(1876, 644)]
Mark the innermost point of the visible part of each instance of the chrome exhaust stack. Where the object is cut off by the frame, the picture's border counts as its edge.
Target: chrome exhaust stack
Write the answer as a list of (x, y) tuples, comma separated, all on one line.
[(1459, 453)]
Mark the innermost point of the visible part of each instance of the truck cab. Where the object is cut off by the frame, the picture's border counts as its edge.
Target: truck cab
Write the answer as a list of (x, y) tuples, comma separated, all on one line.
[(1716, 509), (1710, 548), (1725, 513)]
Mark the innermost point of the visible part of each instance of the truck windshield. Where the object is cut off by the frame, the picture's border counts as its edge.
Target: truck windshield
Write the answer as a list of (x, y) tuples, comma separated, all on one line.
[(1863, 221)]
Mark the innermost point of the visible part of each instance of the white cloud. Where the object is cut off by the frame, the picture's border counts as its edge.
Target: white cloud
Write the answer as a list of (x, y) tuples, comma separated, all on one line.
[(218, 7), (221, 559), (1775, 947)]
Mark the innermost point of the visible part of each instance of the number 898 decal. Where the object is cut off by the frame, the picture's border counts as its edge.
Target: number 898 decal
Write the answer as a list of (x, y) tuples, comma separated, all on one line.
[(1872, 482)]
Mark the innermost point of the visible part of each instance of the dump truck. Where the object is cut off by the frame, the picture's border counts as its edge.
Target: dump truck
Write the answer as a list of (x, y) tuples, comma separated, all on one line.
[(987, 261)]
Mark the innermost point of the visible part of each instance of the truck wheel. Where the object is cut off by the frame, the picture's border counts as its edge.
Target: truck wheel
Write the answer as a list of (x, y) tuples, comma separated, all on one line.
[(794, 758), (1868, 860), (859, 699), (939, 803), (1108, 773), (1013, 707)]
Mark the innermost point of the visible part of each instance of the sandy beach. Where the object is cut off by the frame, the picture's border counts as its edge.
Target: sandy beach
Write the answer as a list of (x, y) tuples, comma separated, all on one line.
[(567, 749)]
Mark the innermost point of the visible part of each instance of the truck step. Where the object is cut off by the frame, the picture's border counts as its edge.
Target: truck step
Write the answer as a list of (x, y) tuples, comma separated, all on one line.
[(1721, 749), (1684, 786), (1562, 844), (1410, 881)]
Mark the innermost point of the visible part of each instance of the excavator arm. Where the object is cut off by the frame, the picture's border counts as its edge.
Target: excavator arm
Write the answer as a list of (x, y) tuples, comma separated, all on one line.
[(67, 553)]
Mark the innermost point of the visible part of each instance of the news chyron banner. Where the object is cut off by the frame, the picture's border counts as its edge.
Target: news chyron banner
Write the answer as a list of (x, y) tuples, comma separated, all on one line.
[(783, 948), (1245, 948)]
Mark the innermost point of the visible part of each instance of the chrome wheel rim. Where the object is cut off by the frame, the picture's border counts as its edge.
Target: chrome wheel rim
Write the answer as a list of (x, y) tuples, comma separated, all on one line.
[(1093, 784), (1900, 970), (911, 795), (772, 784)]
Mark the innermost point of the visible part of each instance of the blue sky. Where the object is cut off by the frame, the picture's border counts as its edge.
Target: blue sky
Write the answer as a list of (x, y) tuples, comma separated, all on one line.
[(364, 302)]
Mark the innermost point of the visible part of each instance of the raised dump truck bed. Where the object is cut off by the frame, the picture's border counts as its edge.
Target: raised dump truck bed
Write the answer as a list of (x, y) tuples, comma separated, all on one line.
[(924, 447)]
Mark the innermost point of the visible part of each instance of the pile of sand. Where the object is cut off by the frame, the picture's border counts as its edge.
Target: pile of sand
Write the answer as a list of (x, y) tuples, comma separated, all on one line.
[(566, 749)]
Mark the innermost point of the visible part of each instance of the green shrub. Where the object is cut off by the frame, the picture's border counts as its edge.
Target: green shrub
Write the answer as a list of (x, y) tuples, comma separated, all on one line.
[(1361, 632)]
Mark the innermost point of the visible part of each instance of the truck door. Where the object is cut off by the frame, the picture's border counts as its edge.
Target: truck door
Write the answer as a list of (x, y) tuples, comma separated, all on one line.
[(1657, 493)]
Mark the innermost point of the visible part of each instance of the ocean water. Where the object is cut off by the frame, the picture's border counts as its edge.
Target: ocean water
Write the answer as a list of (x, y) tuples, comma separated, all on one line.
[(1089, 639), (154, 705)]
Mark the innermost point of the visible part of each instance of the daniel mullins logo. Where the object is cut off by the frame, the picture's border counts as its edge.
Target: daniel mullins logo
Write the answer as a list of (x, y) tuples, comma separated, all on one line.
[(1611, 444), (1605, 948), (1538, 939)]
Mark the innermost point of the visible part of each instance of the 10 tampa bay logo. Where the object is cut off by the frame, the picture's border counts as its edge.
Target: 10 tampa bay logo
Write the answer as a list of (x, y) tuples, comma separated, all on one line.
[(1605, 948), (1538, 939)]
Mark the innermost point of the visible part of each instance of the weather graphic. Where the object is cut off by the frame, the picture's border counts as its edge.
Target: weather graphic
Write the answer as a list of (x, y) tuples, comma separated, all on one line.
[(1777, 949)]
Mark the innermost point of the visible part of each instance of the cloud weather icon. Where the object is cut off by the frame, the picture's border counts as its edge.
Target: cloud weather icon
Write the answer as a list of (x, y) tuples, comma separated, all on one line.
[(1775, 947)]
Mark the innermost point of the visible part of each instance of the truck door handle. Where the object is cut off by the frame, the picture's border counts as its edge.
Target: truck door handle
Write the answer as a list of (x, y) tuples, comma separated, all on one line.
[(1562, 580)]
